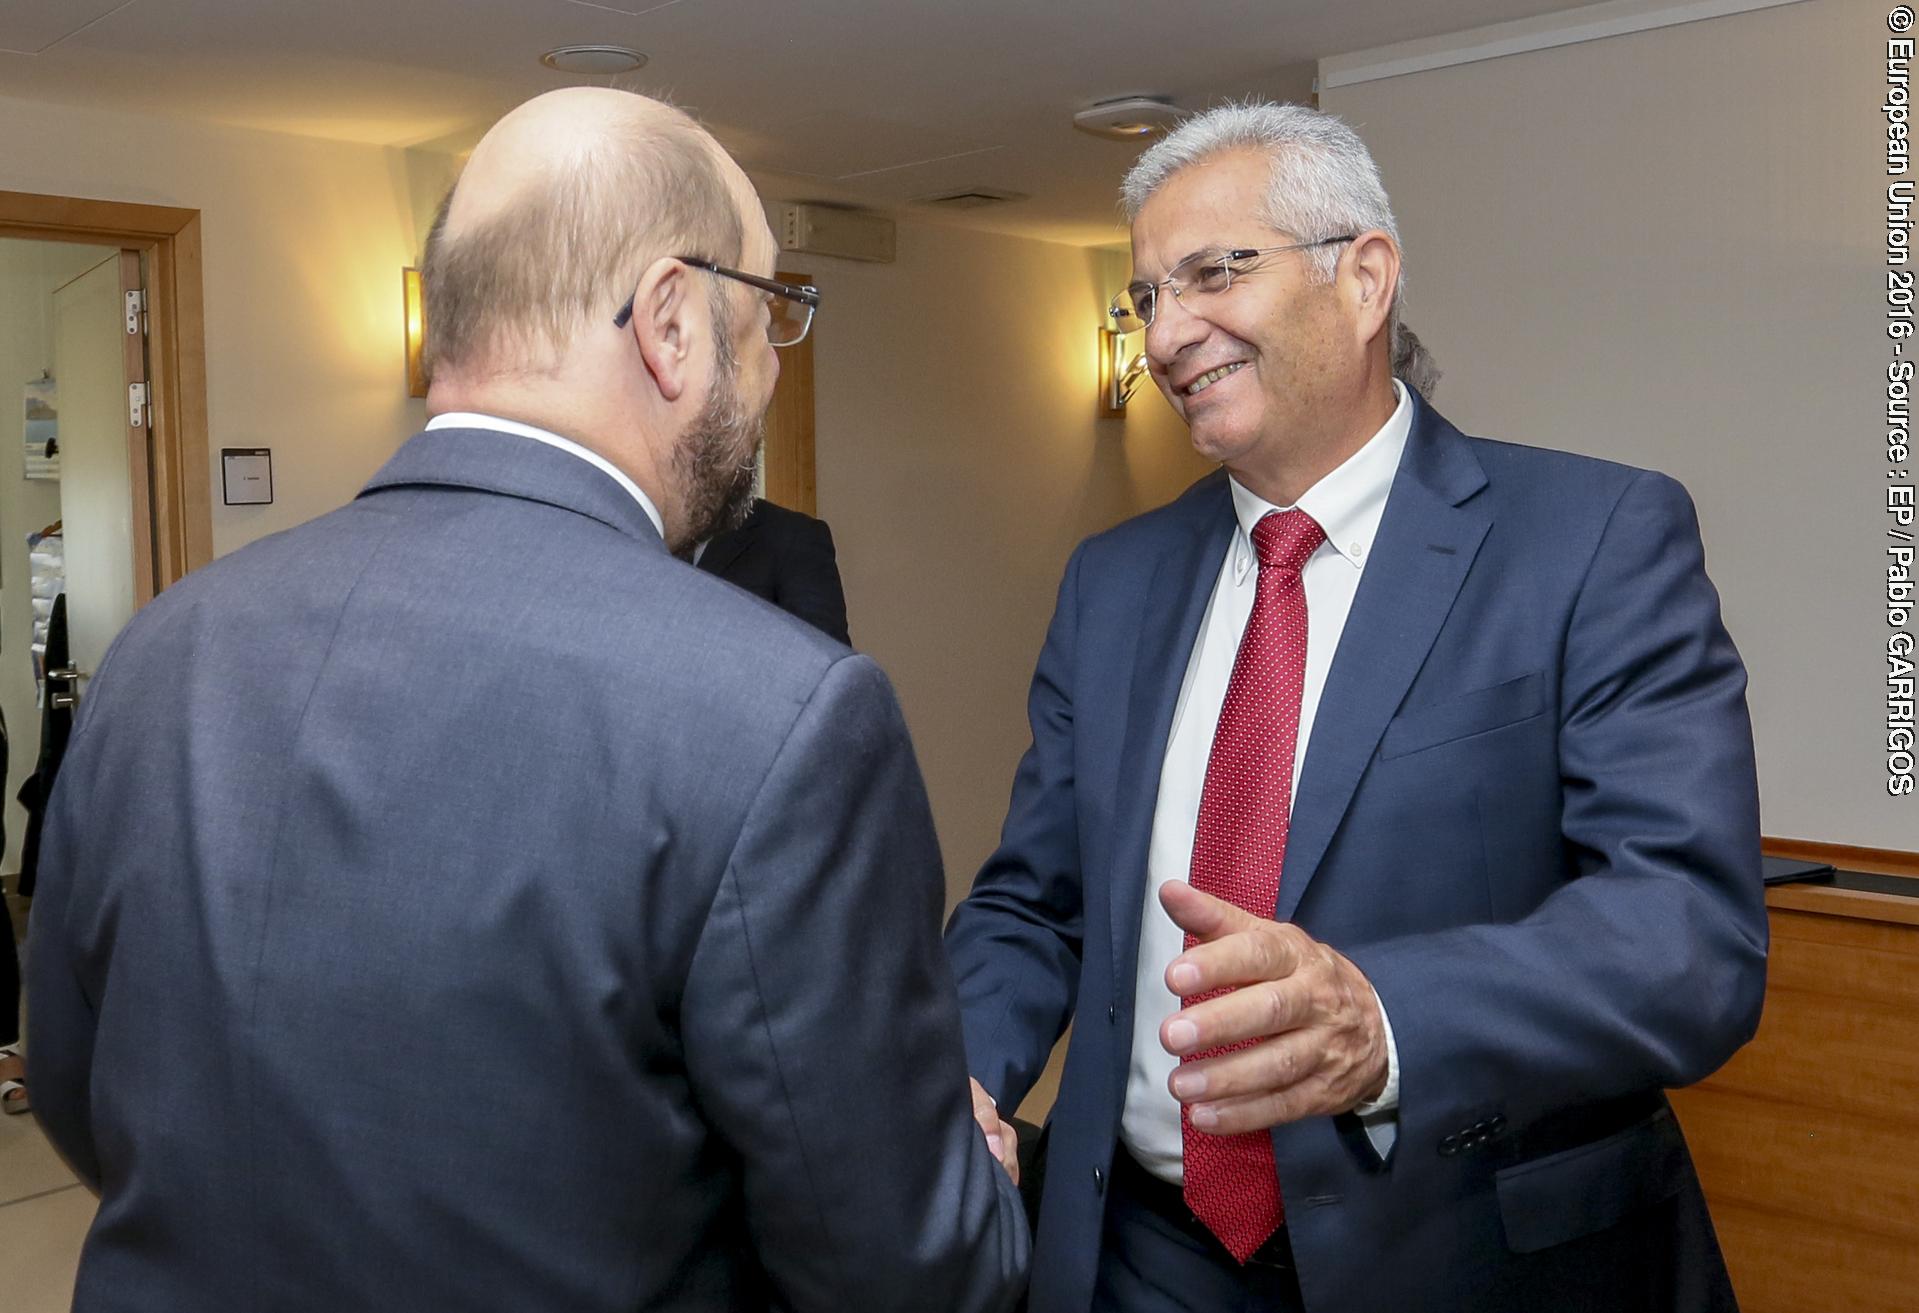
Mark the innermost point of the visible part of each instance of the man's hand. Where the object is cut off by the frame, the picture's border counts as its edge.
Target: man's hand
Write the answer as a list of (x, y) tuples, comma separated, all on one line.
[(1001, 1138), (1322, 1047)]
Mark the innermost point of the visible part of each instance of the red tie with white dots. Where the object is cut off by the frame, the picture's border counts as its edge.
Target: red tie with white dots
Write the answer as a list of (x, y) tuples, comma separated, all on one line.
[(1239, 844)]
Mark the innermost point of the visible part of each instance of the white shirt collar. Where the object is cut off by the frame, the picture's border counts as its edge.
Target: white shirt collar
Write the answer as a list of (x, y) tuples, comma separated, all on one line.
[(463, 419), (1347, 503)]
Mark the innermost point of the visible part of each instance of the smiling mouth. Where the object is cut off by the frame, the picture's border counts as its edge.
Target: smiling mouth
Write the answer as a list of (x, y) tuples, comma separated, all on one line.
[(1211, 377)]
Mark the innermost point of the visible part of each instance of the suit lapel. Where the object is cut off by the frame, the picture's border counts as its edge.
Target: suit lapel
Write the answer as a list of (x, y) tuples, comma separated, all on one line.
[(1171, 610), (726, 547), (1426, 544)]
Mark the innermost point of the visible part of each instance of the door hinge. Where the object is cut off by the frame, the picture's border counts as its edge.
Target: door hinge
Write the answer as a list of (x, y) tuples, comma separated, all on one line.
[(136, 309), (136, 405)]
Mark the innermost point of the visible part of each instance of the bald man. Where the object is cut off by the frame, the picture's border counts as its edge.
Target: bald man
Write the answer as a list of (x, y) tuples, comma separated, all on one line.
[(458, 902)]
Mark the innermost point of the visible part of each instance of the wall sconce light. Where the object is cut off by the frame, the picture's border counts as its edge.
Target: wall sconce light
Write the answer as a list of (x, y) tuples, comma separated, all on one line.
[(1120, 369), (415, 332)]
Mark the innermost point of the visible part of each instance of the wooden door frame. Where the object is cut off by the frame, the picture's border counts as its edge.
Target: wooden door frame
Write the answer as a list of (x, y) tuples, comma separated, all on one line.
[(180, 494), (789, 423)]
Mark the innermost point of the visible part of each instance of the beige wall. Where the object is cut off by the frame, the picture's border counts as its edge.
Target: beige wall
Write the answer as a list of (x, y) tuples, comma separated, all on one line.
[(959, 457), (304, 242), (1667, 248)]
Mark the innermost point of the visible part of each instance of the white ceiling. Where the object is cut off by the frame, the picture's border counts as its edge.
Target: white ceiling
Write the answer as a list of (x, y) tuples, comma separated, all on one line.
[(880, 102)]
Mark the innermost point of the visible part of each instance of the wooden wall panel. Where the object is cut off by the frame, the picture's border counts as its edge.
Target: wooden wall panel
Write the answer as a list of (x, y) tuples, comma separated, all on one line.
[(1807, 1142), (1780, 1266)]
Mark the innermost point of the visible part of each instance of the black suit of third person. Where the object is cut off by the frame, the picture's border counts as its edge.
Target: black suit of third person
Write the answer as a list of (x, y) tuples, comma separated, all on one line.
[(787, 558)]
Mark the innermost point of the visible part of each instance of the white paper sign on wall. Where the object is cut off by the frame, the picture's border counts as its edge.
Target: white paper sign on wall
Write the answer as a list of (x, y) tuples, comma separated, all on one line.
[(247, 475)]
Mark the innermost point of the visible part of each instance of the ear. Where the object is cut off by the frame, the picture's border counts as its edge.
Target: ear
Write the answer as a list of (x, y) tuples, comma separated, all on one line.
[(1369, 278), (668, 319)]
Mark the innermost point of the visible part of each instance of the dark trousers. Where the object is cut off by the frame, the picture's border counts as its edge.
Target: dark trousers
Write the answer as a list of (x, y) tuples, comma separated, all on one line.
[(1156, 1257)]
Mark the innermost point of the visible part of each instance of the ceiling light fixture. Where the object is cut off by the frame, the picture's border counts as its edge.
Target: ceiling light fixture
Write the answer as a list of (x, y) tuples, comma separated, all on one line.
[(599, 61), (1127, 117)]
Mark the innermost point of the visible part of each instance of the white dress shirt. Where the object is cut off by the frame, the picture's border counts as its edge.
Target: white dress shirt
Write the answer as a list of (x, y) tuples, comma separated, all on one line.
[(463, 419), (1347, 504)]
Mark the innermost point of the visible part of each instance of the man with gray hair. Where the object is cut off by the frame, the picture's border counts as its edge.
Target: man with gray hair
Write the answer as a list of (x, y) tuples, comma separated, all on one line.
[(1389, 831), (457, 902)]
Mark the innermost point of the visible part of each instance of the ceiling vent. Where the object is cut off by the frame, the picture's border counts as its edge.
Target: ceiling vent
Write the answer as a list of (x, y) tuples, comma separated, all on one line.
[(1127, 117), (971, 198)]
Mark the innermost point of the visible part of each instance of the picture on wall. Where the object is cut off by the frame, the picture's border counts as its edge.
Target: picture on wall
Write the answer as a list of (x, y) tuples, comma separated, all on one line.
[(42, 431)]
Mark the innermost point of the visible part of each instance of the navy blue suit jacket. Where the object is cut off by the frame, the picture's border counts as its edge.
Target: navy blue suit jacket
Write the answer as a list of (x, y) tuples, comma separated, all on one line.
[(1527, 811)]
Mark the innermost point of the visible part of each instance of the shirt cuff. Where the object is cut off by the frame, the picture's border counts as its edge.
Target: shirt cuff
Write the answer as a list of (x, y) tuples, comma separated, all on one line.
[(1388, 1100)]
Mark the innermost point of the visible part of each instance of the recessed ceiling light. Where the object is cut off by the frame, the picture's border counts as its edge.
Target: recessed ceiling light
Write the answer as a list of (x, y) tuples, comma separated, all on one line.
[(601, 61), (1129, 116)]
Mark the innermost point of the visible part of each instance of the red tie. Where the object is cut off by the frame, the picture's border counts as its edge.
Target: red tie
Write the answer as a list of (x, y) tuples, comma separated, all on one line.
[(1239, 843)]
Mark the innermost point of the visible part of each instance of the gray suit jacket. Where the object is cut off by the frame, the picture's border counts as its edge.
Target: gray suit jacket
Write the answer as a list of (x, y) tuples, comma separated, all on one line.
[(458, 903)]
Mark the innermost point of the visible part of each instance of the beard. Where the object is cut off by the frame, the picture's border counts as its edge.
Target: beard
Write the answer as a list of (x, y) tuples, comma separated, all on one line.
[(714, 460)]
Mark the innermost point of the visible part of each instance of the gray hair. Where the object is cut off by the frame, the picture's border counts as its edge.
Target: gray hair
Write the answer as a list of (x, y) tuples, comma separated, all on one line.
[(1324, 181)]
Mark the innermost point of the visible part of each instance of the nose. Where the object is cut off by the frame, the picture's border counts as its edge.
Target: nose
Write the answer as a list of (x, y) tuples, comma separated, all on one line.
[(1174, 328)]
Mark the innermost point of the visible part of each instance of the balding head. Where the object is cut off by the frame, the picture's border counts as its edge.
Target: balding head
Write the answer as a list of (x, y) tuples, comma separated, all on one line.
[(561, 206)]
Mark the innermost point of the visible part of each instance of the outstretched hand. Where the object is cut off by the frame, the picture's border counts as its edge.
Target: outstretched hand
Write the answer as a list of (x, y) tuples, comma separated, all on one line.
[(1320, 1043), (1001, 1138)]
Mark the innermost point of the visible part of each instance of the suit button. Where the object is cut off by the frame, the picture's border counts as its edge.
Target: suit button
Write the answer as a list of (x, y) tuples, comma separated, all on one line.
[(1496, 1125), (1099, 1180), (1449, 1146), (1112, 1012)]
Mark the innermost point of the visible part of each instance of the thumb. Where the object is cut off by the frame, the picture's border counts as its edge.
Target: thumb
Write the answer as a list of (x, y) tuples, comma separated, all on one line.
[(1201, 915)]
